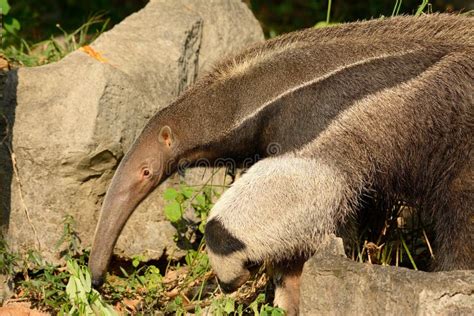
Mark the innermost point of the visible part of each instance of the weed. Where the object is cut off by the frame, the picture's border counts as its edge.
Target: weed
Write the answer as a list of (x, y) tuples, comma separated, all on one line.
[(69, 240), (187, 209), (22, 53), (44, 284), (396, 7), (84, 300), (399, 239), (421, 8), (11, 26), (64, 289), (326, 23), (8, 259)]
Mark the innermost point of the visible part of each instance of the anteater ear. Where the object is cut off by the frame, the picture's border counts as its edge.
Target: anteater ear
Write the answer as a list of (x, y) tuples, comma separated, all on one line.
[(166, 137)]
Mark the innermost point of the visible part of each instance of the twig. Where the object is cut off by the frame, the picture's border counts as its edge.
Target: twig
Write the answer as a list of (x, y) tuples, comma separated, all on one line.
[(428, 244), (20, 185), (20, 191)]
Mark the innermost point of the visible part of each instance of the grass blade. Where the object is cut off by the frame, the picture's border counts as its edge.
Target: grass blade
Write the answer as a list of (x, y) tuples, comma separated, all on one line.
[(408, 252)]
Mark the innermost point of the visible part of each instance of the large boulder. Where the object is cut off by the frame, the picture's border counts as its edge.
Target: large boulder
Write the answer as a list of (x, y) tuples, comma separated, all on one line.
[(334, 285), (69, 123)]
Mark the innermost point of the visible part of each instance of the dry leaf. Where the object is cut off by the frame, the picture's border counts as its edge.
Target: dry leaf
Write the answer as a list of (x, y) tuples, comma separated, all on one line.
[(3, 63), (93, 53), (131, 304), (174, 275), (173, 293)]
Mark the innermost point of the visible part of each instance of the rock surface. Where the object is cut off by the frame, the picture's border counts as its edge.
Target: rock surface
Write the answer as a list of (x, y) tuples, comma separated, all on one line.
[(334, 285), (69, 123)]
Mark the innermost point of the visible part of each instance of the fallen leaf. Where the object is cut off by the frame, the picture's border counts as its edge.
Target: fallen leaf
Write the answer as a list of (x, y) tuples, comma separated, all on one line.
[(93, 53), (131, 304), (174, 275), (173, 293), (118, 307), (3, 63)]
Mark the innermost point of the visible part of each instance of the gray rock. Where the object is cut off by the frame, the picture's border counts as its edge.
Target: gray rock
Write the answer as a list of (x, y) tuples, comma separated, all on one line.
[(70, 122), (334, 285)]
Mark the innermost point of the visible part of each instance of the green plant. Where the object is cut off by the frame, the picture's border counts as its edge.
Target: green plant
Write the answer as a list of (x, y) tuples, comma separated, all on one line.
[(225, 306), (83, 298), (401, 239), (187, 198), (143, 284), (69, 241), (260, 307), (422, 6), (62, 289), (396, 7), (328, 18), (19, 51), (8, 259), (11, 26), (44, 284)]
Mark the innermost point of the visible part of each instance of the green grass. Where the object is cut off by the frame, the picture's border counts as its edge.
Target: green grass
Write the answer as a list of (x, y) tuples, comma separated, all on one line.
[(21, 53), (400, 238)]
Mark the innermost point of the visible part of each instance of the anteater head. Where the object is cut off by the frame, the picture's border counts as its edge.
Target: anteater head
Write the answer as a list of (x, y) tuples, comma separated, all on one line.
[(147, 164)]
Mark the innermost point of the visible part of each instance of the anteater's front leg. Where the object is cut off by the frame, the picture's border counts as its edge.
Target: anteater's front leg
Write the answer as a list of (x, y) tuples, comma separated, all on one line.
[(287, 279)]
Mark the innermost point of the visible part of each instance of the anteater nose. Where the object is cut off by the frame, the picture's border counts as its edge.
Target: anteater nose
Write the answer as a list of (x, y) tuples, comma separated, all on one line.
[(228, 287), (97, 282)]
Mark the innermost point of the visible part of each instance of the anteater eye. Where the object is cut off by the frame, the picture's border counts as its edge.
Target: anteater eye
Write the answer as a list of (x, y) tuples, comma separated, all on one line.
[(146, 172)]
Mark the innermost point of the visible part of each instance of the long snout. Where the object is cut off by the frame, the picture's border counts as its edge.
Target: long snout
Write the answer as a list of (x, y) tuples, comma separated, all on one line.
[(120, 202), (113, 218)]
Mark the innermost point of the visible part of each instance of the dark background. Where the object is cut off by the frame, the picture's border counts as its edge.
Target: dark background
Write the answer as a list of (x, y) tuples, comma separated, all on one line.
[(38, 18)]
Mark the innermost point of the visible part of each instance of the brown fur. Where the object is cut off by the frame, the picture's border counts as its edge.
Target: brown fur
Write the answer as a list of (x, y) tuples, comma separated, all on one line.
[(411, 142), (445, 29), (414, 142), (286, 91), (287, 280)]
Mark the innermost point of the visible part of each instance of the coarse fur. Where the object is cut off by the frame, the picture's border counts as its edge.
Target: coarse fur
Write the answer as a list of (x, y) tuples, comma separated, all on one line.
[(284, 92), (411, 142), (426, 28)]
